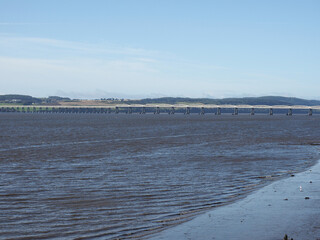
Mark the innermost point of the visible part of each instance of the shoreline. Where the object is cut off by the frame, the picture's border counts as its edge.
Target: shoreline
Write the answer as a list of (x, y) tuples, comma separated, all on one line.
[(268, 213)]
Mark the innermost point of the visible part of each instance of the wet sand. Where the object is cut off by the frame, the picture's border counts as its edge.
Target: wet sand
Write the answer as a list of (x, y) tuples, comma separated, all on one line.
[(269, 213)]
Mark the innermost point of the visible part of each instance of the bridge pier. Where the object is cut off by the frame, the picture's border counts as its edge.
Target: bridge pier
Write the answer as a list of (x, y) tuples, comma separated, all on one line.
[(172, 110), (310, 112), (202, 111), (289, 112), (143, 110), (187, 111), (252, 111), (117, 110), (157, 111), (218, 111), (129, 110), (235, 111), (270, 111)]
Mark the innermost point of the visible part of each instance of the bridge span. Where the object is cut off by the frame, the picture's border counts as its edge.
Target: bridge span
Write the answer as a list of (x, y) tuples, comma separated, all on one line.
[(163, 108)]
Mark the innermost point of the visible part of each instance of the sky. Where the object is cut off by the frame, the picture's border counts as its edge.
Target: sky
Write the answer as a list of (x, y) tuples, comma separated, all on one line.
[(158, 48)]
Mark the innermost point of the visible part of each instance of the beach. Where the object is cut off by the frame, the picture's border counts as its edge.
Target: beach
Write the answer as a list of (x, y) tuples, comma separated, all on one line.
[(289, 206)]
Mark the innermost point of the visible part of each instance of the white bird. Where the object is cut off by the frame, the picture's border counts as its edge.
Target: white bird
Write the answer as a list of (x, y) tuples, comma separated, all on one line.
[(300, 189)]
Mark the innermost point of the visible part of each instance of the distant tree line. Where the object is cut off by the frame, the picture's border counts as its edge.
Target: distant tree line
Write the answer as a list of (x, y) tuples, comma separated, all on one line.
[(268, 100), (19, 99), (29, 100)]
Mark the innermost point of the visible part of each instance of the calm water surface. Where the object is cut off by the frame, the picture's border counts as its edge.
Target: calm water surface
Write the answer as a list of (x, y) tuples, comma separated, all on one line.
[(91, 176)]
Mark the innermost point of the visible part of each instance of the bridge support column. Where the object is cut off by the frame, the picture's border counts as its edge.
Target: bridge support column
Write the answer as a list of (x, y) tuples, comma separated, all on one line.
[(252, 111), (235, 111), (218, 111), (270, 111), (310, 112), (117, 110), (289, 112), (172, 110), (187, 111), (157, 111), (202, 111), (143, 110), (129, 110)]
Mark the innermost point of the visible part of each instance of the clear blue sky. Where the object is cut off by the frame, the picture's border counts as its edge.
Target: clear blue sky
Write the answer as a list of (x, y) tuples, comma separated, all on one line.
[(150, 48)]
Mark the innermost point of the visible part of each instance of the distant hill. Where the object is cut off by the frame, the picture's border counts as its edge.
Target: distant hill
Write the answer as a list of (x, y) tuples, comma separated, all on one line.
[(267, 100), (28, 100), (20, 99)]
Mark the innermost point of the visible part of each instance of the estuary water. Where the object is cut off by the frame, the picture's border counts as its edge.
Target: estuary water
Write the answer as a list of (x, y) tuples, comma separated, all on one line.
[(124, 176)]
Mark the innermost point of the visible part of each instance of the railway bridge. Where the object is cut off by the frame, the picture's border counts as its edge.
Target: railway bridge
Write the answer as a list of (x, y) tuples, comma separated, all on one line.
[(166, 108)]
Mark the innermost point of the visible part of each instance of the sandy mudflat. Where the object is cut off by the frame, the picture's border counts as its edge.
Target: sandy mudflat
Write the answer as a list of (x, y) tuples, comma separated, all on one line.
[(269, 213)]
